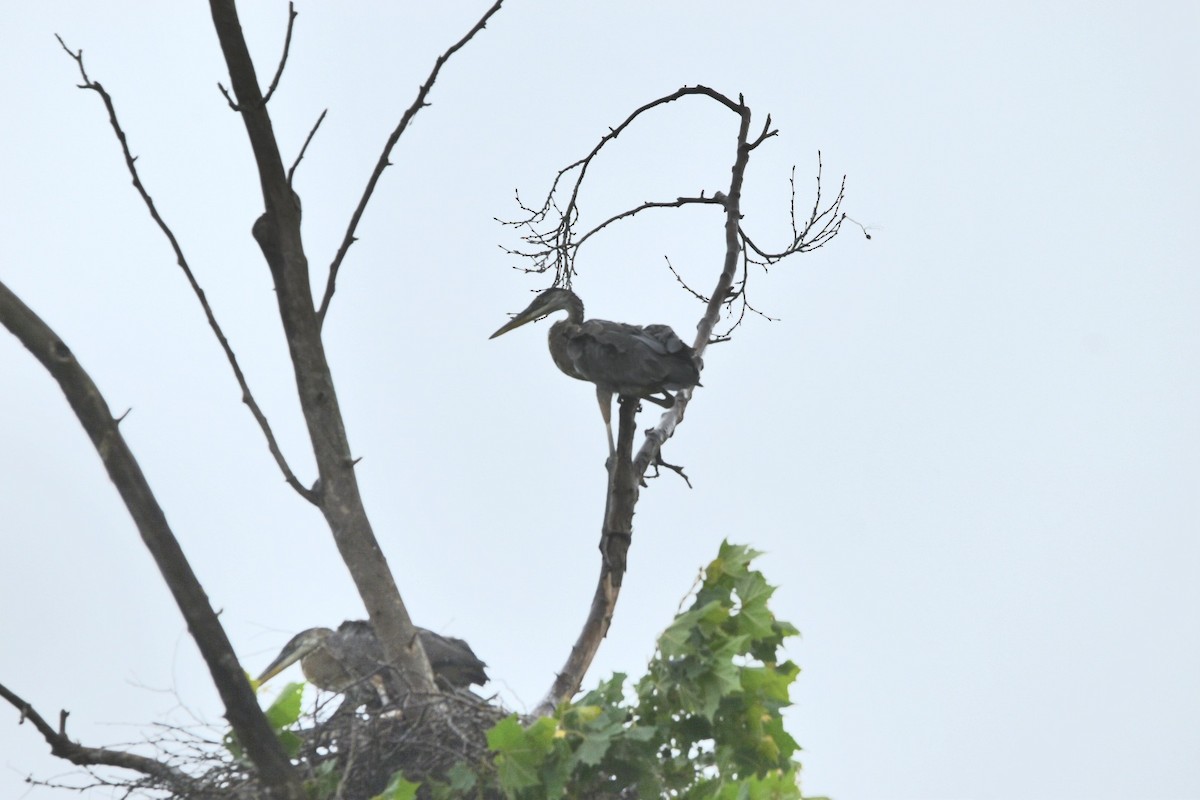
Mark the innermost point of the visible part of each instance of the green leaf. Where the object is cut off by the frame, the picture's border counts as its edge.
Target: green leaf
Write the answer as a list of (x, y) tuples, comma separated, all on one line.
[(609, 693), (290, 742), (505, 734), (770, 682), (703, 723), (520, 752), (285, 711), (775, 785), (596, 739), (676, 640), (398, 789), (461, 778)]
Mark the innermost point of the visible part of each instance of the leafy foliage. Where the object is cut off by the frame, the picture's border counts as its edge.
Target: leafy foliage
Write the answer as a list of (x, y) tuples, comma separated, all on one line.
[(704, 722), (398, 789)]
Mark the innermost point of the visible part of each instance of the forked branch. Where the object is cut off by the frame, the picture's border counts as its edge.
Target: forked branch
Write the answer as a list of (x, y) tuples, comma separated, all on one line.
[(287, 45), (175, 780), (278, 234)]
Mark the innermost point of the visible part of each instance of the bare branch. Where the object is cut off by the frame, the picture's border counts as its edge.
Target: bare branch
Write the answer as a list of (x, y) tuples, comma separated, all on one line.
[(678, 470), (384, 157), (62, 746), (557, 242), (687, 288), (615, 539), (241, 706), (225, 92), (733, 214), (278, 234), (304, 148), (676, 203), (817, 231), (287, 44), (767, 133), (181, 260)]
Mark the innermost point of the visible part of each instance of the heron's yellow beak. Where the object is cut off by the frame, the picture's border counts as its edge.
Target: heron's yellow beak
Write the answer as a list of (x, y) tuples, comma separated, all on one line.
[(285, 660), (516, 322)]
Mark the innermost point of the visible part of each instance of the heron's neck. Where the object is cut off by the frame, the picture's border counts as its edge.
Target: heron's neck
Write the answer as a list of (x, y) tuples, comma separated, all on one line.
[(574, 309)]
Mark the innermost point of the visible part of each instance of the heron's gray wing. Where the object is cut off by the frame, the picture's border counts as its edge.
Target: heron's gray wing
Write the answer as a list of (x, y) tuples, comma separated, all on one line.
[(630, 359), (452, 659), (354, 644), (686, 365)]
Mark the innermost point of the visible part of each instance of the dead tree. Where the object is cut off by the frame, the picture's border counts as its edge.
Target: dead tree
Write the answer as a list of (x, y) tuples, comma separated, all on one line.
[(334, 491)]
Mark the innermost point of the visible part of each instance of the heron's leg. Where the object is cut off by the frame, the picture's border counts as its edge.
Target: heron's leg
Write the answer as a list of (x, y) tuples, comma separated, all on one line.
[(666, 401), (604, 398), (380, 688)]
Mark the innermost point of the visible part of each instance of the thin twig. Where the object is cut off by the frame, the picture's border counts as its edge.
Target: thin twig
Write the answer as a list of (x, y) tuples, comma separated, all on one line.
[(62, 746), (287, 44), (557, 241), (304, 148), (384, 162), (221, 86), (676, 203), (550, 247), (181, 260), (687, 288), (678, 470)]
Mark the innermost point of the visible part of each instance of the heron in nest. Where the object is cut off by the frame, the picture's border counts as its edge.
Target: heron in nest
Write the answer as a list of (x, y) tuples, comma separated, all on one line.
[(632, 361), (350, 661)]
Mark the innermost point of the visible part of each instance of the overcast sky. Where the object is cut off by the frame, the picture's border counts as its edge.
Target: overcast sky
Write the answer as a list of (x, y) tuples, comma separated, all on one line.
[(969, 446)]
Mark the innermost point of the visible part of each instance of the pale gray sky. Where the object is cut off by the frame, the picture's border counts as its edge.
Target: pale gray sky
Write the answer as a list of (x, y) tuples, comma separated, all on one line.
[(969, 446)]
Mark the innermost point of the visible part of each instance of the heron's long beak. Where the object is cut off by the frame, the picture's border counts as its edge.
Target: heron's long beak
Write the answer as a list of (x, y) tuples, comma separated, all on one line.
[(528, 315), (289, 656)]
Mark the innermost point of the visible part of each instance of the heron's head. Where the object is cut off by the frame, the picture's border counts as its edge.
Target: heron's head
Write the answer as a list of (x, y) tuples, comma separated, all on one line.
[(297, 648), (549, 301)]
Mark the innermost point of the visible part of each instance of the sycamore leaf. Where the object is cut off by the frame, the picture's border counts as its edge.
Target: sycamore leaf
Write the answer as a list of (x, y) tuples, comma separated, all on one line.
[(285, 711), (597, 740), (398, 789), (770, 683), (290, 742), (676, 639), (520, 751)]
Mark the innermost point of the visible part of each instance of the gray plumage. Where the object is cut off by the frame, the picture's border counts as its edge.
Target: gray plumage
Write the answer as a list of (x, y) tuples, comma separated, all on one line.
[(350, 659), (627, 360)]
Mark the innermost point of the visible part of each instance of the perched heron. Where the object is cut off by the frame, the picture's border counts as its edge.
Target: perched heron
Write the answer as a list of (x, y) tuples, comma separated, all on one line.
[(349, 661), (622, 359)]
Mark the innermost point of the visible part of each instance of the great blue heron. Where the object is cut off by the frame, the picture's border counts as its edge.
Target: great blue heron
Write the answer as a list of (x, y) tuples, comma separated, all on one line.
[(626, 360), (349, 661)]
